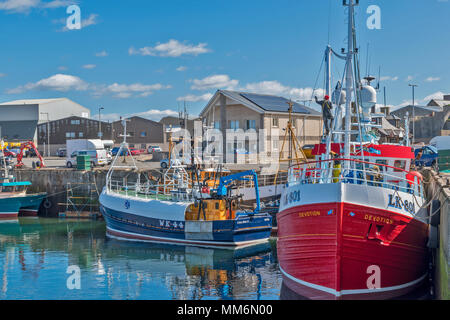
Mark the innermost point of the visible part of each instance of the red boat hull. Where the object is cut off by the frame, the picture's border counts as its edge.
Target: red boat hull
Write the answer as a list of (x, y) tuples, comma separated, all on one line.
[(349, 251)]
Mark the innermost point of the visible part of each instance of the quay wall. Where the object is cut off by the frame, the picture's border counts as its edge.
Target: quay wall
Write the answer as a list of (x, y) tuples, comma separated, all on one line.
[(55, 183), (438, 186)]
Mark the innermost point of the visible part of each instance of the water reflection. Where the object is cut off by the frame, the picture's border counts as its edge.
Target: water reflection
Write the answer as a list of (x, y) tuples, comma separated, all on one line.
[(35, 254)]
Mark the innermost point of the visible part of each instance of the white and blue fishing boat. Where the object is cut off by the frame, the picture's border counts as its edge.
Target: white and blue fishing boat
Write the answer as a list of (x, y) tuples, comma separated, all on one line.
[(14, 198), (181, 211)]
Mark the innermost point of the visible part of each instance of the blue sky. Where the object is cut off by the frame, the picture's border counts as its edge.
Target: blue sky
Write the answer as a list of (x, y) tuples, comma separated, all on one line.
[(149, 56)]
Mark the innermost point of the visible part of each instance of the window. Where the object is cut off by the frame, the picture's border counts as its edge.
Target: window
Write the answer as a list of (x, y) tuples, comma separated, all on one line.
[(70, 134), (75, 122), (275, 144), (400, 164), (251, 124), (216, 124), (234, 124), (131, 133), (274, 122), (383, 164), (143, 134), (80, 134)]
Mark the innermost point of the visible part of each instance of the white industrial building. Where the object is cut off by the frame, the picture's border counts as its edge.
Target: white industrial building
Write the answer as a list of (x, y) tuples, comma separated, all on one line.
[(19, 118)]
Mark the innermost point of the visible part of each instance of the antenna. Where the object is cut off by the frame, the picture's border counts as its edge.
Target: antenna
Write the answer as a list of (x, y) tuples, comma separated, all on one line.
[(124, 135), (379, 77)]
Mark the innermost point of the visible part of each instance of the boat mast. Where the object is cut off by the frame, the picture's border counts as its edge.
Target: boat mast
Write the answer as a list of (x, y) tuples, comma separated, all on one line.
[(349, 78)]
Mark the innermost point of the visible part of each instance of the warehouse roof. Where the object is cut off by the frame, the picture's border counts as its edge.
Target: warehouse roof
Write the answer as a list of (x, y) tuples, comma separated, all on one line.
[(32, 101)]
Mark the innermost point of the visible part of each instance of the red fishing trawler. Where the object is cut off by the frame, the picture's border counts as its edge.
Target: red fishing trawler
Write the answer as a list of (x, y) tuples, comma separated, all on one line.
[(354, 224)]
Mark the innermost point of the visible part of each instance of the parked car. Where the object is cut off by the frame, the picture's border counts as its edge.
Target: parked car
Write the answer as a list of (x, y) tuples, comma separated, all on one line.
[(164, 163), (62, 152), (31, 153), (135, 152), (98, 157), (426, 156), (153, 149), (4, 159), (109, 156), (15, 150), (115, 150)]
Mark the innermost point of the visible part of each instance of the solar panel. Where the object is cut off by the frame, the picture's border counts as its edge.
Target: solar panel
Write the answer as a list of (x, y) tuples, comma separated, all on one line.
[(273, 103)]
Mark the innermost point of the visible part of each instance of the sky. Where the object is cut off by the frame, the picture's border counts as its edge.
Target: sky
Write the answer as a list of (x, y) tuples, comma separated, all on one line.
[(150, 57)]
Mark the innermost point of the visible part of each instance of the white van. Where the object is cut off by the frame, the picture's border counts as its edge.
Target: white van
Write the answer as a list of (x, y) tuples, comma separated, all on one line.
[(441, 142), (98, 157), (93, 147)]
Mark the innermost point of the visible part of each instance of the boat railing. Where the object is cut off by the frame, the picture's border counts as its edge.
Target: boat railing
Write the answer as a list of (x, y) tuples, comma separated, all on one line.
[(354, 171), (147, 191)]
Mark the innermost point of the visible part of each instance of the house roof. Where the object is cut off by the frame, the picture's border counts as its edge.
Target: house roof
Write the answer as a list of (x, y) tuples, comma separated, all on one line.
[(423, 109), (439, 102), (261, 103), (387, 128), (137, 118)]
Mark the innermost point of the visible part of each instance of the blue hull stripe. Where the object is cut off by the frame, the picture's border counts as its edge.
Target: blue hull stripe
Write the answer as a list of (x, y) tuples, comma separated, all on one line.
[(243, 229)]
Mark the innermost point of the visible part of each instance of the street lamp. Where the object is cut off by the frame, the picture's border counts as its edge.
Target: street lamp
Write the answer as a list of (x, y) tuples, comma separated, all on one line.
[(414, 111), (48, 133), (100, 122)]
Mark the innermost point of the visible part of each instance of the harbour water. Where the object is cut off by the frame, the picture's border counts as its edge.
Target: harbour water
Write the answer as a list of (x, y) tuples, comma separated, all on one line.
[(41, 258)]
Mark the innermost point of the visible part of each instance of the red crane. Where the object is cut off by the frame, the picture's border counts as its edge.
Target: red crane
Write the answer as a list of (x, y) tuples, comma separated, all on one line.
[(29, 145)]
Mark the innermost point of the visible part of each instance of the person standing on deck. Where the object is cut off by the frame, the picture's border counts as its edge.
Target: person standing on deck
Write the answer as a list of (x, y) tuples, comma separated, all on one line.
[(326, 112)]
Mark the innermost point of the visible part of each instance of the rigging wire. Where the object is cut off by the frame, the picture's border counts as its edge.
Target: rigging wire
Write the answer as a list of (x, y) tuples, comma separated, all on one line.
[(317, 79)]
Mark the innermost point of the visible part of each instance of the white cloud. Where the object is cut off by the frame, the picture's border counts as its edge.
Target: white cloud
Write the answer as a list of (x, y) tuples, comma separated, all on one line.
[(101, 54), (409, 78), (437, 95), (388, 78), (182, 68), (122, 91), (57, 82), (91, 20), (278, 89), (152, 114), (194, 98), (62, 68), (24, 6), (64, 82), (432, 79), (173, 48), (3, 75), (218, 81), (89, 66)]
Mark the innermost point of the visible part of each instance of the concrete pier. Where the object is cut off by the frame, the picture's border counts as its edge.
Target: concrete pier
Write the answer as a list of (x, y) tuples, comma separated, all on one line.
[(438, 187), (56, 181)]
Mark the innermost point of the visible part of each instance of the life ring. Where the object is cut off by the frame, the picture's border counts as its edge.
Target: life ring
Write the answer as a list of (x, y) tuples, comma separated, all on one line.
[(47, 204), (411, 176)]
